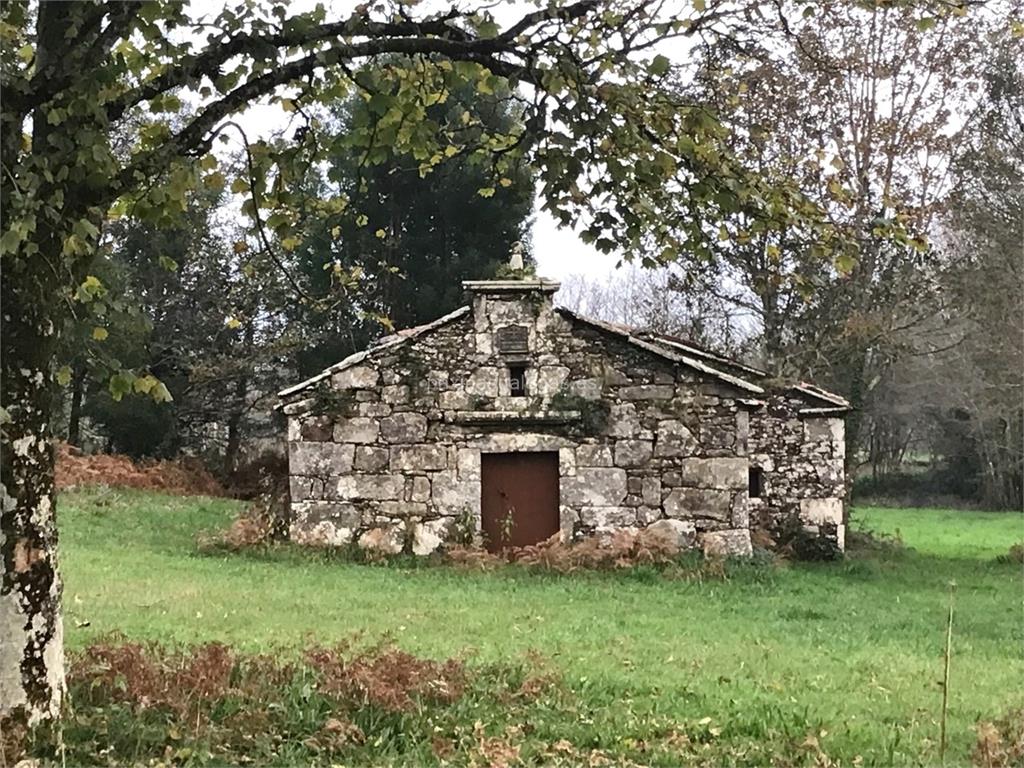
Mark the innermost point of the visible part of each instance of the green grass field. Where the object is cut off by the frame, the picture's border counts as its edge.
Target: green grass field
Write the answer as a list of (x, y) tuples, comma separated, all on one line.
[(849, 652)]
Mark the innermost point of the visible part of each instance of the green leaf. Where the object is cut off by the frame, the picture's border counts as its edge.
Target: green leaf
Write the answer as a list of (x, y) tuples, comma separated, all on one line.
[(64, 376), (659, 65), (100, 334), (121, 385), (486, 192)]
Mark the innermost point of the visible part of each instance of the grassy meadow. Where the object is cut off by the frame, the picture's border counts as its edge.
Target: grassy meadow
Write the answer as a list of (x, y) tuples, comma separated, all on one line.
[(790, 664)]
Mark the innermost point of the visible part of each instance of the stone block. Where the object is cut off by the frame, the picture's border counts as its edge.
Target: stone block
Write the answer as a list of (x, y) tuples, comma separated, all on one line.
[(418, 458), (681, 533), (372, 487), (622, 420), (484, 343), (740, 510), (742, 430), (829, 430), (593, 456), (319, 459), (595, 486), (647, 392), (673, 438), (687, 503), (588, 389), (404, 428), (323, 534), (374, 410), (385, 539), (370, 459), (723, 472), (301, 488), (566, 462), (449, 493), (468, 463), (604, 519), (819, 511), (483, 382), (395, 394), (418, 488), (650, 491), (454, 400), (358, 376), (734, 542), (358, 429), (339, 514), (429, 535), (315, 429), (633, 453), (550, 379)]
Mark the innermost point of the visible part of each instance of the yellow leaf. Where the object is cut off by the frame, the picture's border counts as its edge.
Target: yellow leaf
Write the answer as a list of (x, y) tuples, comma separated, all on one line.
[(240, 246), (381, 234), (335, 232), (287, 105), (699, 5), (362, 220), (486, 192), (100, 334), (505, 182), (233, 323), (64, 376)]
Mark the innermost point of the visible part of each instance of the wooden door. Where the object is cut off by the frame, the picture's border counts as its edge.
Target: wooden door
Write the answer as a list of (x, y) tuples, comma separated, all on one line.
[(518, 498)]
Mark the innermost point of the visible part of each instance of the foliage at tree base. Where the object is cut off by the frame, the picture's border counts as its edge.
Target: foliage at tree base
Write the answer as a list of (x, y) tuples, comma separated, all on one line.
[(134, 704)]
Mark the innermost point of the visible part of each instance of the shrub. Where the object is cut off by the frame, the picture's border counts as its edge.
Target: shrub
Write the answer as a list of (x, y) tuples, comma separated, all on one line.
[(1000, 743), (134, 703)]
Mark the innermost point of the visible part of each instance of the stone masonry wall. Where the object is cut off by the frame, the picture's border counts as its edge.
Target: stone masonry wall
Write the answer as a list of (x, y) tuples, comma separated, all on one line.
[(802, 460), (386, 453)]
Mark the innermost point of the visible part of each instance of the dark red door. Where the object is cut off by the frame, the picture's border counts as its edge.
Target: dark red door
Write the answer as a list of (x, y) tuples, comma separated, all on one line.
[(518, 498)]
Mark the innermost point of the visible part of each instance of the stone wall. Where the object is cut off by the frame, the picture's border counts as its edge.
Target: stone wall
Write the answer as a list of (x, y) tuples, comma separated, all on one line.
[(801, 450), (386, 452)]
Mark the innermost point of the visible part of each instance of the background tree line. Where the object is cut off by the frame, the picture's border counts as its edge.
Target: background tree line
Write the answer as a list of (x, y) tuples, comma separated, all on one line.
[(211, 313), (872, 114), (875, 114)]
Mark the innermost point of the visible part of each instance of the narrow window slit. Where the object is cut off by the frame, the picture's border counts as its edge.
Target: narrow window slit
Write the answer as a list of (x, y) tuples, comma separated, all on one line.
[(755, 482), (517, 380)]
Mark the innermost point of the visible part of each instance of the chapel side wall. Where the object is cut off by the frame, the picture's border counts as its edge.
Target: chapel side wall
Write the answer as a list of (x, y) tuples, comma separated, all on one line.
[(802, 458), (385, 455)]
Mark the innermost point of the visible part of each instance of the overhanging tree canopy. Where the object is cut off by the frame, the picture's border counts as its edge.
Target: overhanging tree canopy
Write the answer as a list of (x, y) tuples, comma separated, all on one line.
[(625, 158)]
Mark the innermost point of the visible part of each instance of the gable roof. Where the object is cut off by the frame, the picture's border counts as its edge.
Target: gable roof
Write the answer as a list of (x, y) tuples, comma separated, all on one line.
[(670, 348), (397, 339), (626, 334)]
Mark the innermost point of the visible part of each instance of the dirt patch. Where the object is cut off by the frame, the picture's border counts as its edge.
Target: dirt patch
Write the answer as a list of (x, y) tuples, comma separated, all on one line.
[(186, 477)]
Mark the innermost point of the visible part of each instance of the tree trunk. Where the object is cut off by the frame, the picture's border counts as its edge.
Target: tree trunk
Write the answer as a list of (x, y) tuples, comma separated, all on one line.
[(32, 641), (77, 395), (31, 651)]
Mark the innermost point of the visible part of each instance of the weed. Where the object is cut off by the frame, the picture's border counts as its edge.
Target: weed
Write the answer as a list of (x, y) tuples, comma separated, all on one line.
[(1000, 743)]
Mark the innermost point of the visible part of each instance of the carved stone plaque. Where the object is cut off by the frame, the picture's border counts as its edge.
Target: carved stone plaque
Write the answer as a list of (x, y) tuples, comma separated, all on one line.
[(513, 339)]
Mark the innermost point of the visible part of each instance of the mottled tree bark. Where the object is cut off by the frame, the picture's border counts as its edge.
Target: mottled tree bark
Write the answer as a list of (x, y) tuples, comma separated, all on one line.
[(31, 632), (31, 643)]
